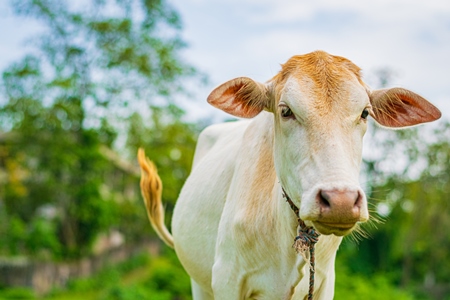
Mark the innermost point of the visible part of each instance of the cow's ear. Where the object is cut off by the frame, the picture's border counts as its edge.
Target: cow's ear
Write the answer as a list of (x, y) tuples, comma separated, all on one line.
[(240, 97), (397, 107)]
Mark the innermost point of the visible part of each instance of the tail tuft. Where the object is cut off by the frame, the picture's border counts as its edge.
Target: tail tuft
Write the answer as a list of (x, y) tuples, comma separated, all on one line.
[(151, 189)]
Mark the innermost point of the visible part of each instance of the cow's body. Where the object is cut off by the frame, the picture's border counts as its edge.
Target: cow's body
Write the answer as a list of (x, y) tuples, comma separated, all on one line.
[(232, 229), (243, 150)]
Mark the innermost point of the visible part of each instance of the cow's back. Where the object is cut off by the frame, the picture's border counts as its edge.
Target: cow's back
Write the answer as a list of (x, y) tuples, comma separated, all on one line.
[(199, 208), (222, 134)]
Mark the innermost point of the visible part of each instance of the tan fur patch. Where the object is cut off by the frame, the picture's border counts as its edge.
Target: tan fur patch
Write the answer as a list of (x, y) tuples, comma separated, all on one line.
[(256, 218), (326, 71)]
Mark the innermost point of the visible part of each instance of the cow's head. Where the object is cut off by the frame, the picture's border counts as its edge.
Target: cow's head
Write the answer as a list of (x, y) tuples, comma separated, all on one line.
[(321, 106)]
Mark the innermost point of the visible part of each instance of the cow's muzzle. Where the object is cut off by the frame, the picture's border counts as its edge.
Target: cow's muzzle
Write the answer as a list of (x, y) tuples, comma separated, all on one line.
[(339, 210)]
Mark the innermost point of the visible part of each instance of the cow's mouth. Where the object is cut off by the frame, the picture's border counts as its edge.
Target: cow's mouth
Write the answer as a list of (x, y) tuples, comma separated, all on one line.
[(339, 229)]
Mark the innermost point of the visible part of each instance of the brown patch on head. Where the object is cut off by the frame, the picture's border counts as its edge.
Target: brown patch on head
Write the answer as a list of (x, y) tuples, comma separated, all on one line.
[(327, 72)]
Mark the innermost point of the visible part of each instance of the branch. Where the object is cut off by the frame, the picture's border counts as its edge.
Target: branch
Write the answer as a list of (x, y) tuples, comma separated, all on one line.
[(119, 162)]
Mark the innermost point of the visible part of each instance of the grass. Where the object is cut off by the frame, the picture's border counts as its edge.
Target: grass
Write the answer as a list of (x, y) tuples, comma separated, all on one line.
[(142, 277), (162, 278)]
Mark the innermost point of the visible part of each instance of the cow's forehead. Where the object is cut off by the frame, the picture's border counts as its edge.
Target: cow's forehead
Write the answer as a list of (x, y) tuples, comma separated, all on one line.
[(322, 77), (321, 67)]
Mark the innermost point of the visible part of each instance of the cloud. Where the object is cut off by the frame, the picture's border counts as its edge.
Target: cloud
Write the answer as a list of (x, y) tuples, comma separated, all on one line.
[(231, 38), (289, 11)]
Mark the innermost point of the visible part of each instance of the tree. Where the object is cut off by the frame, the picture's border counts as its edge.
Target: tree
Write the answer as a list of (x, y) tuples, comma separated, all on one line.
[(97, 63), (419, 214), (407, 178)]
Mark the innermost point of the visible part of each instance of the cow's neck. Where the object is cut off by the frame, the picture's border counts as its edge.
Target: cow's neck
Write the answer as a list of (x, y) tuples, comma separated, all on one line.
[(257, 166), (266, 213)]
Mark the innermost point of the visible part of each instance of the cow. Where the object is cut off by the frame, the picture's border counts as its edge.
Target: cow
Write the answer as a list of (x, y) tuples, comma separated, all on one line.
[(232, 229)]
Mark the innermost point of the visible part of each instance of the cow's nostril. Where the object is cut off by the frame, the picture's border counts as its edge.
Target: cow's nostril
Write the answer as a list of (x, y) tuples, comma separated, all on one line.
[(324, 199), (359, 199)]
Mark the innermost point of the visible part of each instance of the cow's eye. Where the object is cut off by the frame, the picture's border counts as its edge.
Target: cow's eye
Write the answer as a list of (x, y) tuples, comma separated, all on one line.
[(286, 112), (365, 114)]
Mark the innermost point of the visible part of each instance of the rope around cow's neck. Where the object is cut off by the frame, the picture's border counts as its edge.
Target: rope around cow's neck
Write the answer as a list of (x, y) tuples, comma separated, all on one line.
[(306, 240)]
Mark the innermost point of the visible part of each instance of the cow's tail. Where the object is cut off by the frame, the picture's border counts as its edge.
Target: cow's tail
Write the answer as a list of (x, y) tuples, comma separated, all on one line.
[(151, 189)]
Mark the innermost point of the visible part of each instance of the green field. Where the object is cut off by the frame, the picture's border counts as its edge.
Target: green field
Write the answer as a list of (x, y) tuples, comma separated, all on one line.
[(162, 278)]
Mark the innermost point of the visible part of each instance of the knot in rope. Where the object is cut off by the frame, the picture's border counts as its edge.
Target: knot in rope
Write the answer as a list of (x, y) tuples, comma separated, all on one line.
[(305, 240)]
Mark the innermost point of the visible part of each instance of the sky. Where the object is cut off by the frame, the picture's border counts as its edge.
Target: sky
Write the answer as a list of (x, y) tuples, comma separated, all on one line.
[(232, 38)]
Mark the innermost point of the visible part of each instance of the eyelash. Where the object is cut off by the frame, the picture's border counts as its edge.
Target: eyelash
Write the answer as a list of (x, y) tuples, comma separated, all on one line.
[(286, 112)]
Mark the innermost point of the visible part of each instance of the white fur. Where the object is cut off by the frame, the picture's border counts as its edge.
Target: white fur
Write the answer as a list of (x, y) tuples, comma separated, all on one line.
[(229, 253), (320, 150)]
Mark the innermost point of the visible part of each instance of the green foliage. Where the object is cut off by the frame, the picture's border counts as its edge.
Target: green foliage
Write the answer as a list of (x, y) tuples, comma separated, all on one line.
[(102, 76), (17, 293), (16, 235), (375, 287), (141, 277), (43, 237), (135, 292), (411, 246), (169, 142), (168, 275), (94, 66)]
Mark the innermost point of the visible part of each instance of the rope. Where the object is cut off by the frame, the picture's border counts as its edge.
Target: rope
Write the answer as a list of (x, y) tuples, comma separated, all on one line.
[(306, 240)]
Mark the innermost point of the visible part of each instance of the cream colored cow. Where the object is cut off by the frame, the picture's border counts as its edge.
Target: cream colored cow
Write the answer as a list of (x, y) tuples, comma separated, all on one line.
[(232, 229)]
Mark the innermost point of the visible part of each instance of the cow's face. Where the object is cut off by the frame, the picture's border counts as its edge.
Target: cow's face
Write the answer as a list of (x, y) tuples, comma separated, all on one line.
[(320, 108), (318, 148)]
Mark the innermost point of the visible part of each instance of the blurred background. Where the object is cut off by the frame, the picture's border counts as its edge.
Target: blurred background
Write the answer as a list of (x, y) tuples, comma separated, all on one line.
[(85, 83)]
